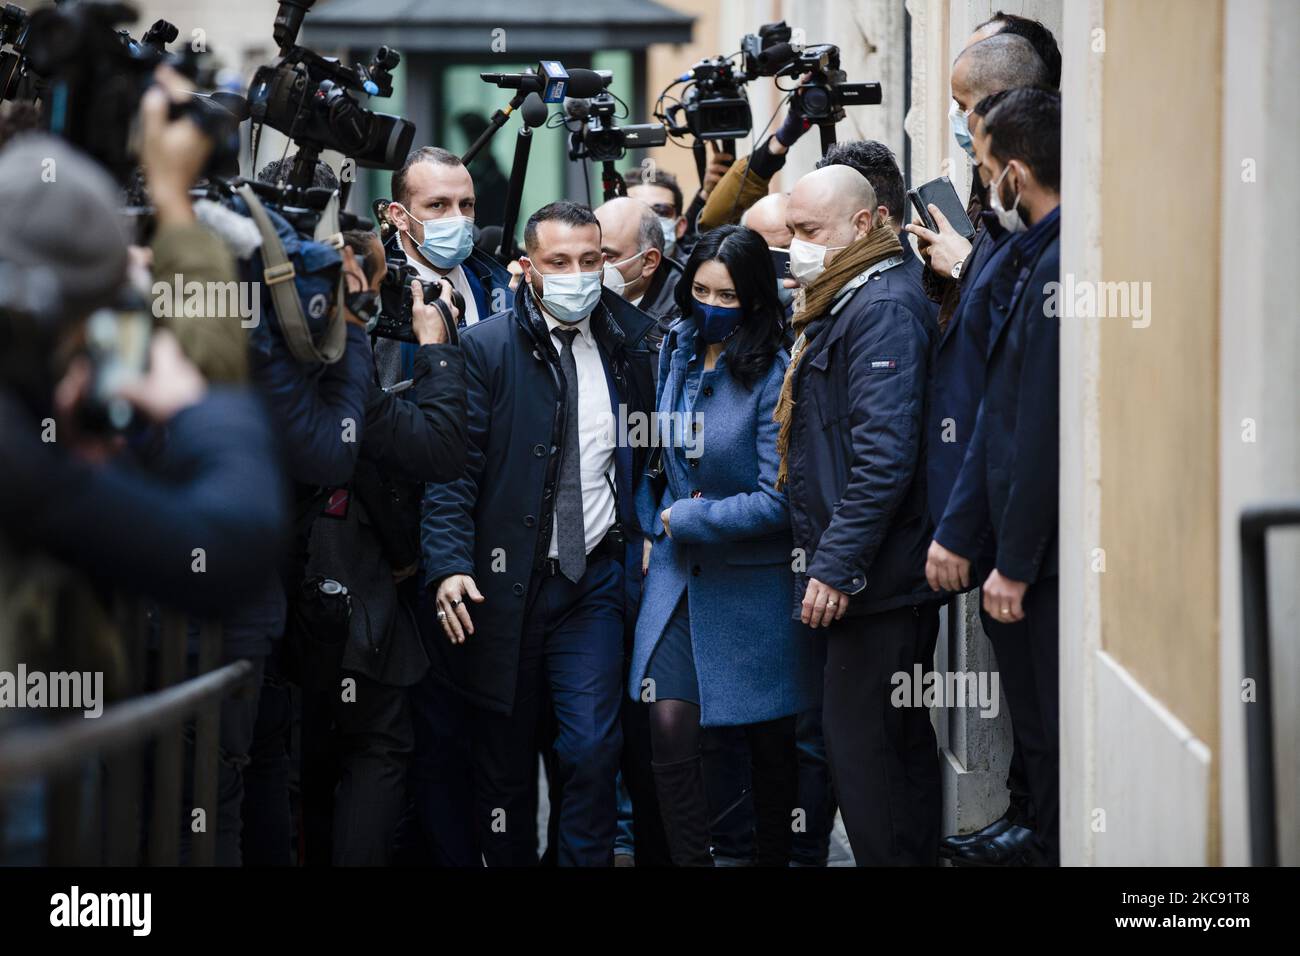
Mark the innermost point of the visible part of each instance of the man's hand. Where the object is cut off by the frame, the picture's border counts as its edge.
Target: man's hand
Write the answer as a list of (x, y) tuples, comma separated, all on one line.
[(1004, 598), (516, 273), (945, 248), (822, 604), (794, 126), (172, 383), (452, 612), (172, 152), (426, 320), (946, 570), (663, 516), (719, 163), (645, 557)]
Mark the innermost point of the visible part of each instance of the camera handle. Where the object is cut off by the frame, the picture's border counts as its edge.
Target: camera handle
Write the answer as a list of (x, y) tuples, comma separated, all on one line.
[(612, 180), (515, 192), (828, 136), (498, 120)]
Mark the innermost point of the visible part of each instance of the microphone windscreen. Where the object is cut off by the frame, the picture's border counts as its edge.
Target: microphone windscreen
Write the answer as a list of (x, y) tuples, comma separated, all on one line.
[(778, 53), (584, 83), (533, 111)]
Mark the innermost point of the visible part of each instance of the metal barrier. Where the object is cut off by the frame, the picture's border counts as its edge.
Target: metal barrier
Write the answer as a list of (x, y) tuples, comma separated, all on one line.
[(1255, 523), (106, 828)]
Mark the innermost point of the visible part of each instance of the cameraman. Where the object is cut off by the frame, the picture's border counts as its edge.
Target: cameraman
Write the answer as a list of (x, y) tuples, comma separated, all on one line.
[(746, 182), (368, 540)]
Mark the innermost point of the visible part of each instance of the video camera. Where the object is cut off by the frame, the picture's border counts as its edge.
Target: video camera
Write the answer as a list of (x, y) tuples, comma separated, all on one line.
[(306, 97), (89, 77), (714, 102), (597, 136)]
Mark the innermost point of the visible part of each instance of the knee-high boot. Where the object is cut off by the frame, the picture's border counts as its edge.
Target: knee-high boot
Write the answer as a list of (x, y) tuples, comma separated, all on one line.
[(684, 804)]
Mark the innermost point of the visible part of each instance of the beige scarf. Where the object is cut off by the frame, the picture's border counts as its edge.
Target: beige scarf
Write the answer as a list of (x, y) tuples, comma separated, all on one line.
[(880, 243)]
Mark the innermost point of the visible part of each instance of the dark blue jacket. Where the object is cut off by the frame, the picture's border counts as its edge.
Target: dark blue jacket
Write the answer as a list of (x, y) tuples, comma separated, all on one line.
[(1008, 485), (214, 484), (855, 485), (495, 522), (957, 366), (318, 410)]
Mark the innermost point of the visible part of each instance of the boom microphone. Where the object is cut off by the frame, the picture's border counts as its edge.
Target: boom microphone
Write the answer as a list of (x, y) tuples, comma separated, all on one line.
[(580, 83)]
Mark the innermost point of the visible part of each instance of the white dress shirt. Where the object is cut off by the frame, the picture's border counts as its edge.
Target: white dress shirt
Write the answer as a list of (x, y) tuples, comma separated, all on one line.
[(458, 282), (595, 435)]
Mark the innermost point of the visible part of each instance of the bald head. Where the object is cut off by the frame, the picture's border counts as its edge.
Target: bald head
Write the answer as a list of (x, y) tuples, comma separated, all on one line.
[(1003, 61), (831, 206), (631, 238), (767, 218)]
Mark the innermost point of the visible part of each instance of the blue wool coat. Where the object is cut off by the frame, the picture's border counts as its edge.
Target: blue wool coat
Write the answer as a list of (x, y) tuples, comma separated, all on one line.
[(730, 551)]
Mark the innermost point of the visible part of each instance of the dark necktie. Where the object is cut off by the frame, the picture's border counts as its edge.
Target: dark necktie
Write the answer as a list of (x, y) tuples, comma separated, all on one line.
[(570, 535)]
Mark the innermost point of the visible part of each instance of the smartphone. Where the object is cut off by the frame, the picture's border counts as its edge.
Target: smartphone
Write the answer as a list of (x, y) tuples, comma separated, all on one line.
[(940, 192), (780, 262), (117, 344)]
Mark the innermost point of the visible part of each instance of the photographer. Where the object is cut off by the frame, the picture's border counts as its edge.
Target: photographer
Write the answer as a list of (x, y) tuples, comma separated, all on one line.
[(69, 495), (172, 156), (370, 544)]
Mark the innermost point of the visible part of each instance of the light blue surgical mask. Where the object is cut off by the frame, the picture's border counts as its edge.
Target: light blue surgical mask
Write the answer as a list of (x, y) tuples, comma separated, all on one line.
[(447, 241), (570, 296), (669, 226), (961, 129)]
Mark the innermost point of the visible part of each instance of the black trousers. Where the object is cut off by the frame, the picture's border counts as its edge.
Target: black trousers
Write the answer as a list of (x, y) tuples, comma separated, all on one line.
[(375, 740), (884, 759), (1014, 669), (1028, 657)]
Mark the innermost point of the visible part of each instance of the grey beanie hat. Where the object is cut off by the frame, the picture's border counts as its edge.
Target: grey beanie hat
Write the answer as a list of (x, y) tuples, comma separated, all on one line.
[(59, 216)]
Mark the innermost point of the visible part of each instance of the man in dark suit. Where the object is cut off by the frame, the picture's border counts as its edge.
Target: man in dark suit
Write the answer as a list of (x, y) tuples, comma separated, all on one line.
[(526, 553), (958, 277), (1006, 493)]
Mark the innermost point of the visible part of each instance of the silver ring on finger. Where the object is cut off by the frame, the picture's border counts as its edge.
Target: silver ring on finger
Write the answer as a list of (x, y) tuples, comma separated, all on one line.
[(455, 601), (831, 603), (442, 615)]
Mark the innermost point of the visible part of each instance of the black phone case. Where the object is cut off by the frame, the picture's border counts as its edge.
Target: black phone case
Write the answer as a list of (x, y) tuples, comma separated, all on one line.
[(940, 192)]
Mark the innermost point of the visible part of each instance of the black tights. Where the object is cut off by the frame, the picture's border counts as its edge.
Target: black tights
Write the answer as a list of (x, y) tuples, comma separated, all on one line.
[(674, 730)]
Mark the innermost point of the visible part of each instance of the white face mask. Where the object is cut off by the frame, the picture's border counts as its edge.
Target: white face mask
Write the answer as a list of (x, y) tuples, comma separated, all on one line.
[(808, 260), (1008, 219), (669, 227), (613, 278), (570, 296)]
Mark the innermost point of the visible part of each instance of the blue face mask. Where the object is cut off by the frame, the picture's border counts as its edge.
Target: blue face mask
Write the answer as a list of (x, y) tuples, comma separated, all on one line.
[(717, 323), (447, 241), (569, 296), (961, 129)]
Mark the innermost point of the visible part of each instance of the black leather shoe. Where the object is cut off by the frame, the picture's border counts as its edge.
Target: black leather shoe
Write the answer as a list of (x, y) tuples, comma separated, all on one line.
[(950, 845), (1014, 846)]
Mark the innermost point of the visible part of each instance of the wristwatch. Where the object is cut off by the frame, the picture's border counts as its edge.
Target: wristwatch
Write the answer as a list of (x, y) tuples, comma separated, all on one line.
[(956, 269)]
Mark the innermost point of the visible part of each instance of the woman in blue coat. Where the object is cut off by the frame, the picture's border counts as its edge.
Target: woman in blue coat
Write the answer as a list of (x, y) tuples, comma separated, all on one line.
[(715, 644)]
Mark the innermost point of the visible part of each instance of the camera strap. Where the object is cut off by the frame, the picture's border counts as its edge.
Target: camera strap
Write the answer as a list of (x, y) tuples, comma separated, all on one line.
[(278, 273)]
